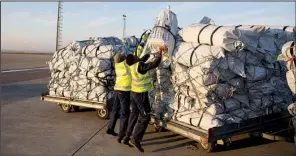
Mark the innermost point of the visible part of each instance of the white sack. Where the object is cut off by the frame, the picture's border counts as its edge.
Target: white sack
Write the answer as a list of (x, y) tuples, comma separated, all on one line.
[(206, 20), (289, 50), (291, 79), (107, 40), (190, 54), (102, 51), (76, 47), (131, 41), (164, 32), (225, 37), (256, 73)]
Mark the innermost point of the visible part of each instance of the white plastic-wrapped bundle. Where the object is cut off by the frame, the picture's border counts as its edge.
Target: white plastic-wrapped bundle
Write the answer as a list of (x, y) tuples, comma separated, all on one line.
[(219, 108), (289, 50), (238, 84), (190, 54), (202, 76), (164, 32), (76, 46), (207, 20), (180, 74), (102, 51), (198, 119), (99, 93), (291, 79), (260, 88), (107, 40), (236, 65), (265, 102), (225, 37), (131, 41), (283, 33), (256, 73), (284, 28), (185, 90), (250, 36)]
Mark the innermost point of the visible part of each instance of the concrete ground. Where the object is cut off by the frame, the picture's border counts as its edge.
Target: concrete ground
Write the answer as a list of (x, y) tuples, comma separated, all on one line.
[(20, 61), (30, 126)]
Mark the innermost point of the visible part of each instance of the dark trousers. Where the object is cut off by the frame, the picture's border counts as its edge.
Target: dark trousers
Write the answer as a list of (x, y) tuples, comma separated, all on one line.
[(141, 108), (133, 118), (294, 124), (121, 106)]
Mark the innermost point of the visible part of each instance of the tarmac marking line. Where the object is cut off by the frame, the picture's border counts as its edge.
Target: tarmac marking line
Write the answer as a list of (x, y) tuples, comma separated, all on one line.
[(89, 139), (20, 70)]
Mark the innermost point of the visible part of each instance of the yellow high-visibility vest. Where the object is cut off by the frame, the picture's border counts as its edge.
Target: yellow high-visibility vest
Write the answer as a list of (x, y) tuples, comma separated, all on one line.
[(145, 37), (139, 50), (140, 82), (123, 77)]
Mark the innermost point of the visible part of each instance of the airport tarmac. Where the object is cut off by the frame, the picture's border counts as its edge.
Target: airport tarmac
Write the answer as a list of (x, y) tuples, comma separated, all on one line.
[(30, 126), (21, 61)]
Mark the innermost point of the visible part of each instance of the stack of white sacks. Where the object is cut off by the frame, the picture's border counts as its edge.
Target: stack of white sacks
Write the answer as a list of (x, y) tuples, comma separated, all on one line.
[(164, 32), (289, 53), (211, 75), (225, 74), (84, 70), (218, 74)]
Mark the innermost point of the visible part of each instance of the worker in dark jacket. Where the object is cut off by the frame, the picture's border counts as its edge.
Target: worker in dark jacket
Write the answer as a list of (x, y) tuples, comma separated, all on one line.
[(121, 98), (141, 84), (135, 113)]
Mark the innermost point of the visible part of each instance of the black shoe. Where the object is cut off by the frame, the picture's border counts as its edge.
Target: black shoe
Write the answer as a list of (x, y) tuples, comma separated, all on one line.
[(111, 133), (119, 140), (136, 145), (125, 141)]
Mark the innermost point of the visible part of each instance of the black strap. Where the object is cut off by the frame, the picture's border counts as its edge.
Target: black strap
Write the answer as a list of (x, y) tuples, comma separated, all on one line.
[(188, 90), (285, 27), (166, 30), (84, 51), (198, 39), (143, 34), (190, 121), (97, 50), (291, 48), (252, 26), (238, 26), (214, 33), (193, 53), (280, 67)]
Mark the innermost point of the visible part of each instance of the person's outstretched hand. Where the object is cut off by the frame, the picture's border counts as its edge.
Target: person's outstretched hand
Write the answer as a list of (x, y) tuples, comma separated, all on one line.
[(163, 48)]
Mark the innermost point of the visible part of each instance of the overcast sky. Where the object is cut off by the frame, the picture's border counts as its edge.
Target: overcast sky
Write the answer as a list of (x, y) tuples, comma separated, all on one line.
[(32, 25)]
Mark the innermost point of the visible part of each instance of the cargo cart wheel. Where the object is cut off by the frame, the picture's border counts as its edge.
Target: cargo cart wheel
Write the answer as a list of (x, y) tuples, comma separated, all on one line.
[(65, 107), (208, 147), (76, 108), (103, 113)]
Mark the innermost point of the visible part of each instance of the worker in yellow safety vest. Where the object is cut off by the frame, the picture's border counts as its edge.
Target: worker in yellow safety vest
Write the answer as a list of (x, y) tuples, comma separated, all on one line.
[(121, 104), (141, 84), (141, 46)]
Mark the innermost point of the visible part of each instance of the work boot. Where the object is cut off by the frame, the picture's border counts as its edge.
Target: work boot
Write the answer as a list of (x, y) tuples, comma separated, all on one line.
[(125, 141), (110, 132), (134, 143), (119, 139)]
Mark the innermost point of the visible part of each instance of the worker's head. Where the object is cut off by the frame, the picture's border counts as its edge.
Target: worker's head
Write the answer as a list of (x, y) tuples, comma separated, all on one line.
[(119, 57)]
